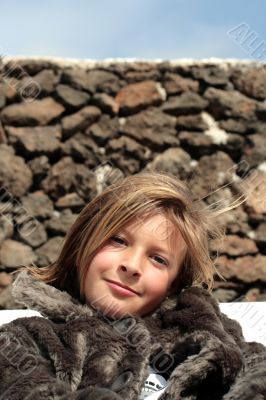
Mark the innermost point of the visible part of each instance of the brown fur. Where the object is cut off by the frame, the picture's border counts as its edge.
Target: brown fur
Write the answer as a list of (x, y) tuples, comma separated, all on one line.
[(77, 353)]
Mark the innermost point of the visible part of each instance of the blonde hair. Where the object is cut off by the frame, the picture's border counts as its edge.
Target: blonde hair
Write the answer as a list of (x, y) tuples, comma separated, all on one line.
[(135, 196)]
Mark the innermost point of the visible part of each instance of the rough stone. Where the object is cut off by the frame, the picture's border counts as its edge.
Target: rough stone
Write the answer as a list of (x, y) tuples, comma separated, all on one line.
[(13, 166), (136, 96), (34, 236), (103, 81), (38, 204), (3, 138), (224, 295), (70, 200), (80, 120), (254, 294), (71, 98), (49, 252), (93, 81), (2, 99), (14, 254), (251, 82), (210, 173), (233, 245), (247, 269), (254, 187), (8, 88), (82, 149), (175, 161), (233, 125), (60, 223), (128, 147), (37, 112), (254, 150), (6, 227), (31, 66), (104, 129), (235, 221), (230, 104), (36, 140), (139, 76), (260, 233), (196, 144), (261, 111), (106, 103), (126, 165), (191, 123), (212, 75), (152, 128), (7, 301), (77, 78), (46, 81), (234, 145), (39, 167), (176, 84), (5, 279), (186, 103), (67, 177), (6, 207)]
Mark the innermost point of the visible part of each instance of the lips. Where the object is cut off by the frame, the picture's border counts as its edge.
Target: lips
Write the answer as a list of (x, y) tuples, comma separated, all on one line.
[(122, 286)]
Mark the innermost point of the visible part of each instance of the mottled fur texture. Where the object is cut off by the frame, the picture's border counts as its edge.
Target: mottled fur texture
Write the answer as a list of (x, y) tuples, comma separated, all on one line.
[(78, 353)]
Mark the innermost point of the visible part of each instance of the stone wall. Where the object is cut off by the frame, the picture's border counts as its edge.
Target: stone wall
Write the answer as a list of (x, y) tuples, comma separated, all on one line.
[(67, 128)]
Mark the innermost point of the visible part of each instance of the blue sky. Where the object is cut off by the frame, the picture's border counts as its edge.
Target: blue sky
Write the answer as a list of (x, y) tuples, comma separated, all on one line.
[(146, 29)]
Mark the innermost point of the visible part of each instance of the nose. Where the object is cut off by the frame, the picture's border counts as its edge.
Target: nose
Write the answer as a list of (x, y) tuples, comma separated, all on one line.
[(131, 264)]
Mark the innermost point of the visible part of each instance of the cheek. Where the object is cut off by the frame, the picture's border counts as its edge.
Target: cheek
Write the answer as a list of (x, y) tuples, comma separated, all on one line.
[(100, 262), (156, 286)]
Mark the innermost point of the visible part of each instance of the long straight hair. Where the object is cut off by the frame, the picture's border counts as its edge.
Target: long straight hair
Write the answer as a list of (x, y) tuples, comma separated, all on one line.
[(136, 196)]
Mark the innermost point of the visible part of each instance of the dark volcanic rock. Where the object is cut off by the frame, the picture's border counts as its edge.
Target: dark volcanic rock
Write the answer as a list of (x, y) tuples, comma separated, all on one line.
[(152, 128), (191, 123), (12, 166), (38, 112), (36, 140), (136, 96), (60, 223), (67, 177), (251, 82), (106, 128), (247, 269), (186, 103), (175, 161), (176, 84), (14, 254), (38, 204), (92, 81), (80, 120), (212, 75), (48, 253), (230, 104), (71, 98)]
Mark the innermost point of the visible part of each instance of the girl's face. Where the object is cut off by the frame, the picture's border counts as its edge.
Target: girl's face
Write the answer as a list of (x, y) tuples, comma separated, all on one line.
[(134, 270)]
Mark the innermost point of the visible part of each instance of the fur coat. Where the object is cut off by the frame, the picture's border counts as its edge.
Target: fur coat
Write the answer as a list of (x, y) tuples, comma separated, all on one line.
[(77, 353)]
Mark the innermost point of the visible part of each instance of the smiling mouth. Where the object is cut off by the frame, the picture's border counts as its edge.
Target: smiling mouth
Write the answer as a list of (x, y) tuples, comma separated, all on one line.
[(124, 288)]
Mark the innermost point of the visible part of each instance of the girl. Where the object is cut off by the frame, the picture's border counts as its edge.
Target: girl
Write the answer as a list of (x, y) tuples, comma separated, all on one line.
[(129, 294)]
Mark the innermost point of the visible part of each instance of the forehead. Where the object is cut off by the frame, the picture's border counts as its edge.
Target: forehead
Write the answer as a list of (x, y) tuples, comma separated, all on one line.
[(157, 226)]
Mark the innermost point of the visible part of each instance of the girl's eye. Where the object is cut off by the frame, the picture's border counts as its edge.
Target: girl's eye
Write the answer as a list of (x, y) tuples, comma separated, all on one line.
[(118, 239), (161, 260)]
